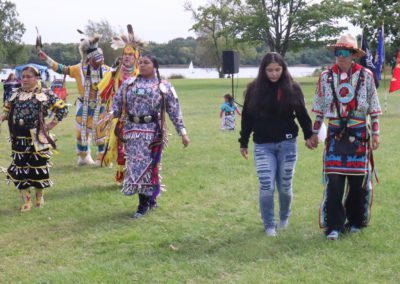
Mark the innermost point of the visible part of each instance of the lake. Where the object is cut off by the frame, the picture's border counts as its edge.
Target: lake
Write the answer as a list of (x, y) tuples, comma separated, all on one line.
[(244, 72), (199, 73)]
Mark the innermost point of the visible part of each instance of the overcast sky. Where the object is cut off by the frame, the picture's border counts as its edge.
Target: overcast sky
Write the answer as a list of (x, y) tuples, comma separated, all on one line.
[(152, 20), (155, 20)]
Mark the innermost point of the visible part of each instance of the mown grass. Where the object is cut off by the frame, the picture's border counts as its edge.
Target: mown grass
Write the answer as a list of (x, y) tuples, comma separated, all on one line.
[(208, 228)]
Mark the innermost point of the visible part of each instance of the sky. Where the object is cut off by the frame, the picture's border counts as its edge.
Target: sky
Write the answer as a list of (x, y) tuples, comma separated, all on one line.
[(152, 20)]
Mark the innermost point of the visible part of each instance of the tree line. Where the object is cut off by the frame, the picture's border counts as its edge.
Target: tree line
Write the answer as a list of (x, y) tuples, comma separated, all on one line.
[(298, 29), (179, 51)]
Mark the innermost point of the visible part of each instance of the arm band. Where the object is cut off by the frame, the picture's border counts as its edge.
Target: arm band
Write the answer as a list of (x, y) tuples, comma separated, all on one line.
[(317, 124), (375, 125)]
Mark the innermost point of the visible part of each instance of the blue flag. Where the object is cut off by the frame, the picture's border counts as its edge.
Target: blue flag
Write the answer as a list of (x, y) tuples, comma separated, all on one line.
[(380, 54)]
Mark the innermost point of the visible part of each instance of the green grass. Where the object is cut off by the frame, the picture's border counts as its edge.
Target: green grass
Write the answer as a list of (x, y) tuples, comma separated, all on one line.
[(208, 228)]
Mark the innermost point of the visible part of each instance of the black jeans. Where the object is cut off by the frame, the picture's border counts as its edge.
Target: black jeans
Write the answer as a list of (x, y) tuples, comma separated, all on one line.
[(352, 209)]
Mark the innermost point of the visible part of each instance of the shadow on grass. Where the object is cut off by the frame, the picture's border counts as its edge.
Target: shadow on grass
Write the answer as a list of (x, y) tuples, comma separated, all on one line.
[(253, 246), (81, 191), (73, 168), (10, 211)]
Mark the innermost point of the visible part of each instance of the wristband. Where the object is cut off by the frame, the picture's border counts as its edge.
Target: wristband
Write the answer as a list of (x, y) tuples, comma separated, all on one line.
[(183, 132)]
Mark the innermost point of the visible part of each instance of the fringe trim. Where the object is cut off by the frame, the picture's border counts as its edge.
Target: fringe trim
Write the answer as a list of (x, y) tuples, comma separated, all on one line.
[(25, 170), (20, 155), (132, 188), (18, 183)]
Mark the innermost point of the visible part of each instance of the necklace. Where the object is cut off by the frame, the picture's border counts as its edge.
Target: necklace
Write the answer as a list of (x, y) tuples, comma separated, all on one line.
[(343, 76), (345, 91)]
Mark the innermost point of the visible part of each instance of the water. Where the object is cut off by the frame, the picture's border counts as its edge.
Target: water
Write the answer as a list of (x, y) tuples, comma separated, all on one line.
[(244, 72), (196, 73)]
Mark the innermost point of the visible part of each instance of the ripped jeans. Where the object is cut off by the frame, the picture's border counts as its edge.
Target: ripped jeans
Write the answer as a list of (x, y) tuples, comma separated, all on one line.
[(275, 163)]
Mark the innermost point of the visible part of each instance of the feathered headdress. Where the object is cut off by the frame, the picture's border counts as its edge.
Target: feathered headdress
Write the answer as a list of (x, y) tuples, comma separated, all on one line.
[(89, 47), (129, 43)]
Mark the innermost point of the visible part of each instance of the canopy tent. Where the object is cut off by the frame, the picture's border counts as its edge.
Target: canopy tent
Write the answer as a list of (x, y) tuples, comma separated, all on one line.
[(43, 70)]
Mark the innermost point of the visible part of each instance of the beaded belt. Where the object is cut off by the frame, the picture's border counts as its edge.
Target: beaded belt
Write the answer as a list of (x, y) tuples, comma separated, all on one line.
[(142, 119), (229, 112)]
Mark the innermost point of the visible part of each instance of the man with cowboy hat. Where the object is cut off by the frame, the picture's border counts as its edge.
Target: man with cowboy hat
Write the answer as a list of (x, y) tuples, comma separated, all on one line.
[(346, 96)]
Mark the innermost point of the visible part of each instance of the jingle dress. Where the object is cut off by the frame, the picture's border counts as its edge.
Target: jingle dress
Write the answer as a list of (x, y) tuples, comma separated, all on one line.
[(25, 110)]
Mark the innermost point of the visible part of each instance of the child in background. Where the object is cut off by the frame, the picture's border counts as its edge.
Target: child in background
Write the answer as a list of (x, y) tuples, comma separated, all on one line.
[(9, 84), (227, 114)]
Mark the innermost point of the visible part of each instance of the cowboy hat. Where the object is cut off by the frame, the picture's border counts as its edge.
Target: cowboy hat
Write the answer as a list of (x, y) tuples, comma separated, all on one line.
[(347, 42)]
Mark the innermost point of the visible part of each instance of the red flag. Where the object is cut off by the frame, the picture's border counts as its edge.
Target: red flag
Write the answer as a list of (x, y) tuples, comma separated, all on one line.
[(395, 83)]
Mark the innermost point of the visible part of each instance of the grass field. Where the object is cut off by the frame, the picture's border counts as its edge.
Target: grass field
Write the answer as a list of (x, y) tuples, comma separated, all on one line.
[(207, 228)]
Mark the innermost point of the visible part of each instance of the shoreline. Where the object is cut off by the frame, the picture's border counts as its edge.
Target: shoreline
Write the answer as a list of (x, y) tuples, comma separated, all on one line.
[(182, 66)]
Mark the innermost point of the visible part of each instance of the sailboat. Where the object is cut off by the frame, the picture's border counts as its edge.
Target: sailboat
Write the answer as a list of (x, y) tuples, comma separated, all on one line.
[(191, 68)]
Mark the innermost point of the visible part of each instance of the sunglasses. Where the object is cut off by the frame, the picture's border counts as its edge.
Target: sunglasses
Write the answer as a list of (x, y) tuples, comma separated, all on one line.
[(343, 52)]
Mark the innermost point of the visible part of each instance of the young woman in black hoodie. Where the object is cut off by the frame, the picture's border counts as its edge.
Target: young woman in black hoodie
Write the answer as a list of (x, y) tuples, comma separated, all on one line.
[(272, 102)]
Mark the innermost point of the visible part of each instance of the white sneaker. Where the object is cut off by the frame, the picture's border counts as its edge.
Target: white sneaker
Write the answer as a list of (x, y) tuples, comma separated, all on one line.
[(271, 232), (333, 236), (283, 224)]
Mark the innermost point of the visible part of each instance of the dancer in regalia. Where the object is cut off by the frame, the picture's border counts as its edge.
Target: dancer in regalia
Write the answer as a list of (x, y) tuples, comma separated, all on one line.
[(126, 67), (89, 108), (145, 100), (346, 95), (31, 144)]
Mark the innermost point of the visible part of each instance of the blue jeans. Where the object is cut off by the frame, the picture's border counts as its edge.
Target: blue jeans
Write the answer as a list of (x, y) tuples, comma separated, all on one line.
[(275, 163)]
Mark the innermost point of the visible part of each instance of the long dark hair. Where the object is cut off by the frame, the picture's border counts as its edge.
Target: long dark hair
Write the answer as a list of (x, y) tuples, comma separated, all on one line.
[(261, 93), (163, 102)]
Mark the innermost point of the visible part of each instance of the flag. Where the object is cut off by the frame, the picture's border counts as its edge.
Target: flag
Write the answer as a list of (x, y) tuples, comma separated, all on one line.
[(380, 54), (368, 61), (395, 83)]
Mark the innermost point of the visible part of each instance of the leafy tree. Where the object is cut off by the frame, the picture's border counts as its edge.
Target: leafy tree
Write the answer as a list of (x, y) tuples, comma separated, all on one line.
[(372, 14), (284, 24), (176, 51), (67, 53), (213, 26), (11, 32), (17, 55)]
